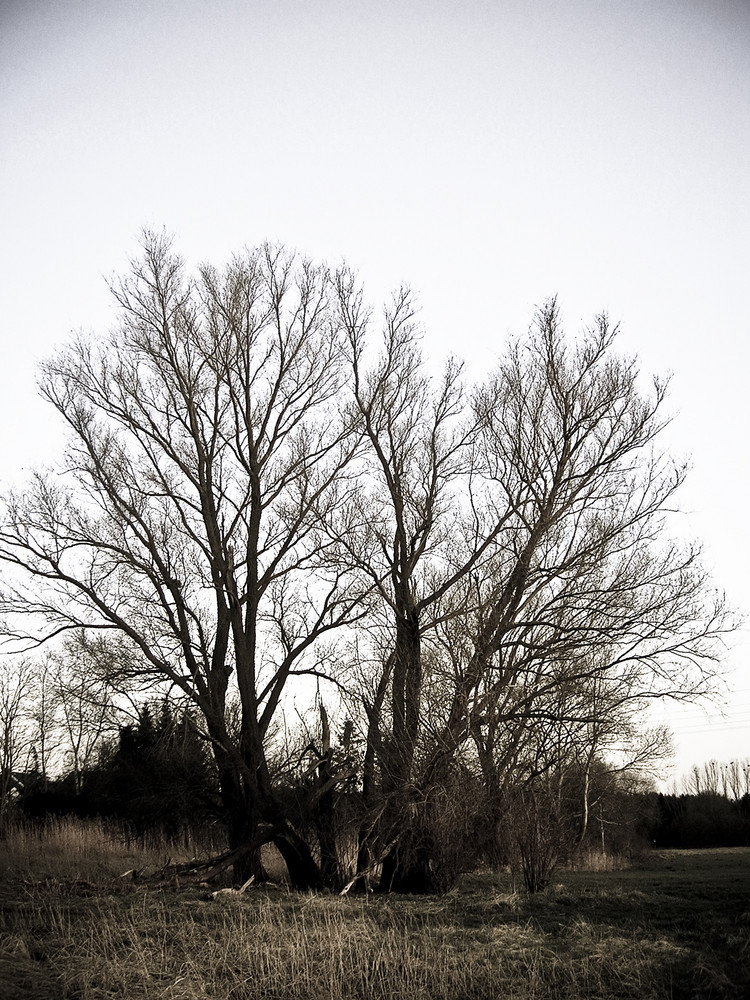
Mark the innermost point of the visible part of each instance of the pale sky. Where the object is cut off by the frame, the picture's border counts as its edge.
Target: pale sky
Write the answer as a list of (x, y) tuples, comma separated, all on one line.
[(489, 153)]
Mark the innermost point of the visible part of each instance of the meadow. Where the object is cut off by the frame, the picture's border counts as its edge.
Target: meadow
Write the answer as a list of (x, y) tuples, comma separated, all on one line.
[(674, 924)]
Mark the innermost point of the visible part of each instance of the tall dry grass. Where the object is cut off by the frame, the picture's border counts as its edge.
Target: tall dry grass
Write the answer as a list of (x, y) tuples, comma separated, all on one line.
[(674, 929), (70, 848), (261, 947)]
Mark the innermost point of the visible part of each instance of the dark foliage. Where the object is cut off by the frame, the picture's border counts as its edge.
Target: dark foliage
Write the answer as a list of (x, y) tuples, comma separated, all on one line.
[(158, 777), (704, 820)]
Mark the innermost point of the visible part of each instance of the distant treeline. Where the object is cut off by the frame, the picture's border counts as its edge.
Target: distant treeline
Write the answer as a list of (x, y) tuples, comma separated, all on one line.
[(704, 819), (158, 777)]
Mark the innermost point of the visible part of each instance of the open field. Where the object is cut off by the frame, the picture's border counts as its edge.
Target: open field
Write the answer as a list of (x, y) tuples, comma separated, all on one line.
[(676, 925)]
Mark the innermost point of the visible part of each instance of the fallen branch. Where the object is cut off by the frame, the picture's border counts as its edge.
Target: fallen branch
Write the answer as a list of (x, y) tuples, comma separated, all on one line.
[(232, 892), (204, 871)]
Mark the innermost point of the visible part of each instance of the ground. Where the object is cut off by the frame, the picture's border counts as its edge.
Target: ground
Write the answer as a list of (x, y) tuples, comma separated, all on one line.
[(675, 924)]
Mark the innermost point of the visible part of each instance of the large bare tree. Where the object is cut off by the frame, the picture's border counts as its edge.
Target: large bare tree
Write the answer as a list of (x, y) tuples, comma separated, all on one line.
[(245, 476), (584, 606), (417, 453), (205, 440), (531, 541), (585, 563)]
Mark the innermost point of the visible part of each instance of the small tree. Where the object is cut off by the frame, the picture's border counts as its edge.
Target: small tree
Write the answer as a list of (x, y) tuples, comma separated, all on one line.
[(86, 711), (44, 718), (16, 684)]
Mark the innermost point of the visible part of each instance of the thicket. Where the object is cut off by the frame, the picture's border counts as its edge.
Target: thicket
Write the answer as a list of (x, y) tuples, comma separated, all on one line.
[(158, 780), (156, 776)]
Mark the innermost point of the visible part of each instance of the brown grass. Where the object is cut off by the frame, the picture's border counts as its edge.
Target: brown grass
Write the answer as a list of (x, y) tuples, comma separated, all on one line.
[(676, 926)]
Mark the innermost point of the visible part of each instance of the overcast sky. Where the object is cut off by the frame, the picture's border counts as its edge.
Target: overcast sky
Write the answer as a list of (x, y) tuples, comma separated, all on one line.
[(490, 154)]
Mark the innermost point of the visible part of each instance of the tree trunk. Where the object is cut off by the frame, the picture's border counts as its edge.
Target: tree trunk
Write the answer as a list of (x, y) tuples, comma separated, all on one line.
[(244, 816), (242, 821), (304, 872), (406, 867), (371, 794), (324, 810), (325, 827), (406, 694), (585, 806)]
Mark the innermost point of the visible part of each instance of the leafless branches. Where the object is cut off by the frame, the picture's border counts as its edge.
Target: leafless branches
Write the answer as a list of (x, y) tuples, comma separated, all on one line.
[(249, 476)]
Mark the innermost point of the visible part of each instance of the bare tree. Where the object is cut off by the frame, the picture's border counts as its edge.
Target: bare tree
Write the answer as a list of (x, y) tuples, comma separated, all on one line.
[(87, 713), (43, 712), (737, 778), (583, 582), (243, 480), (395, 531), (526, 545), (204, 439), (730, 779), (16, 684)]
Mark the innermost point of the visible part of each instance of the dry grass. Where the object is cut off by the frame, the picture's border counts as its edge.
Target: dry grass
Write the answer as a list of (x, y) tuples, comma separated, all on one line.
[(678, 926), (76, 849)]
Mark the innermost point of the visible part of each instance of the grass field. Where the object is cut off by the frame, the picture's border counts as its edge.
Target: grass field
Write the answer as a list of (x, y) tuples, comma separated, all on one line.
[(675, 925)]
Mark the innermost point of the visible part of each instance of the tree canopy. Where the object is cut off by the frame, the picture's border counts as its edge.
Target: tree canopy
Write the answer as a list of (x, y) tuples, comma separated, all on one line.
[(259, 492)]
